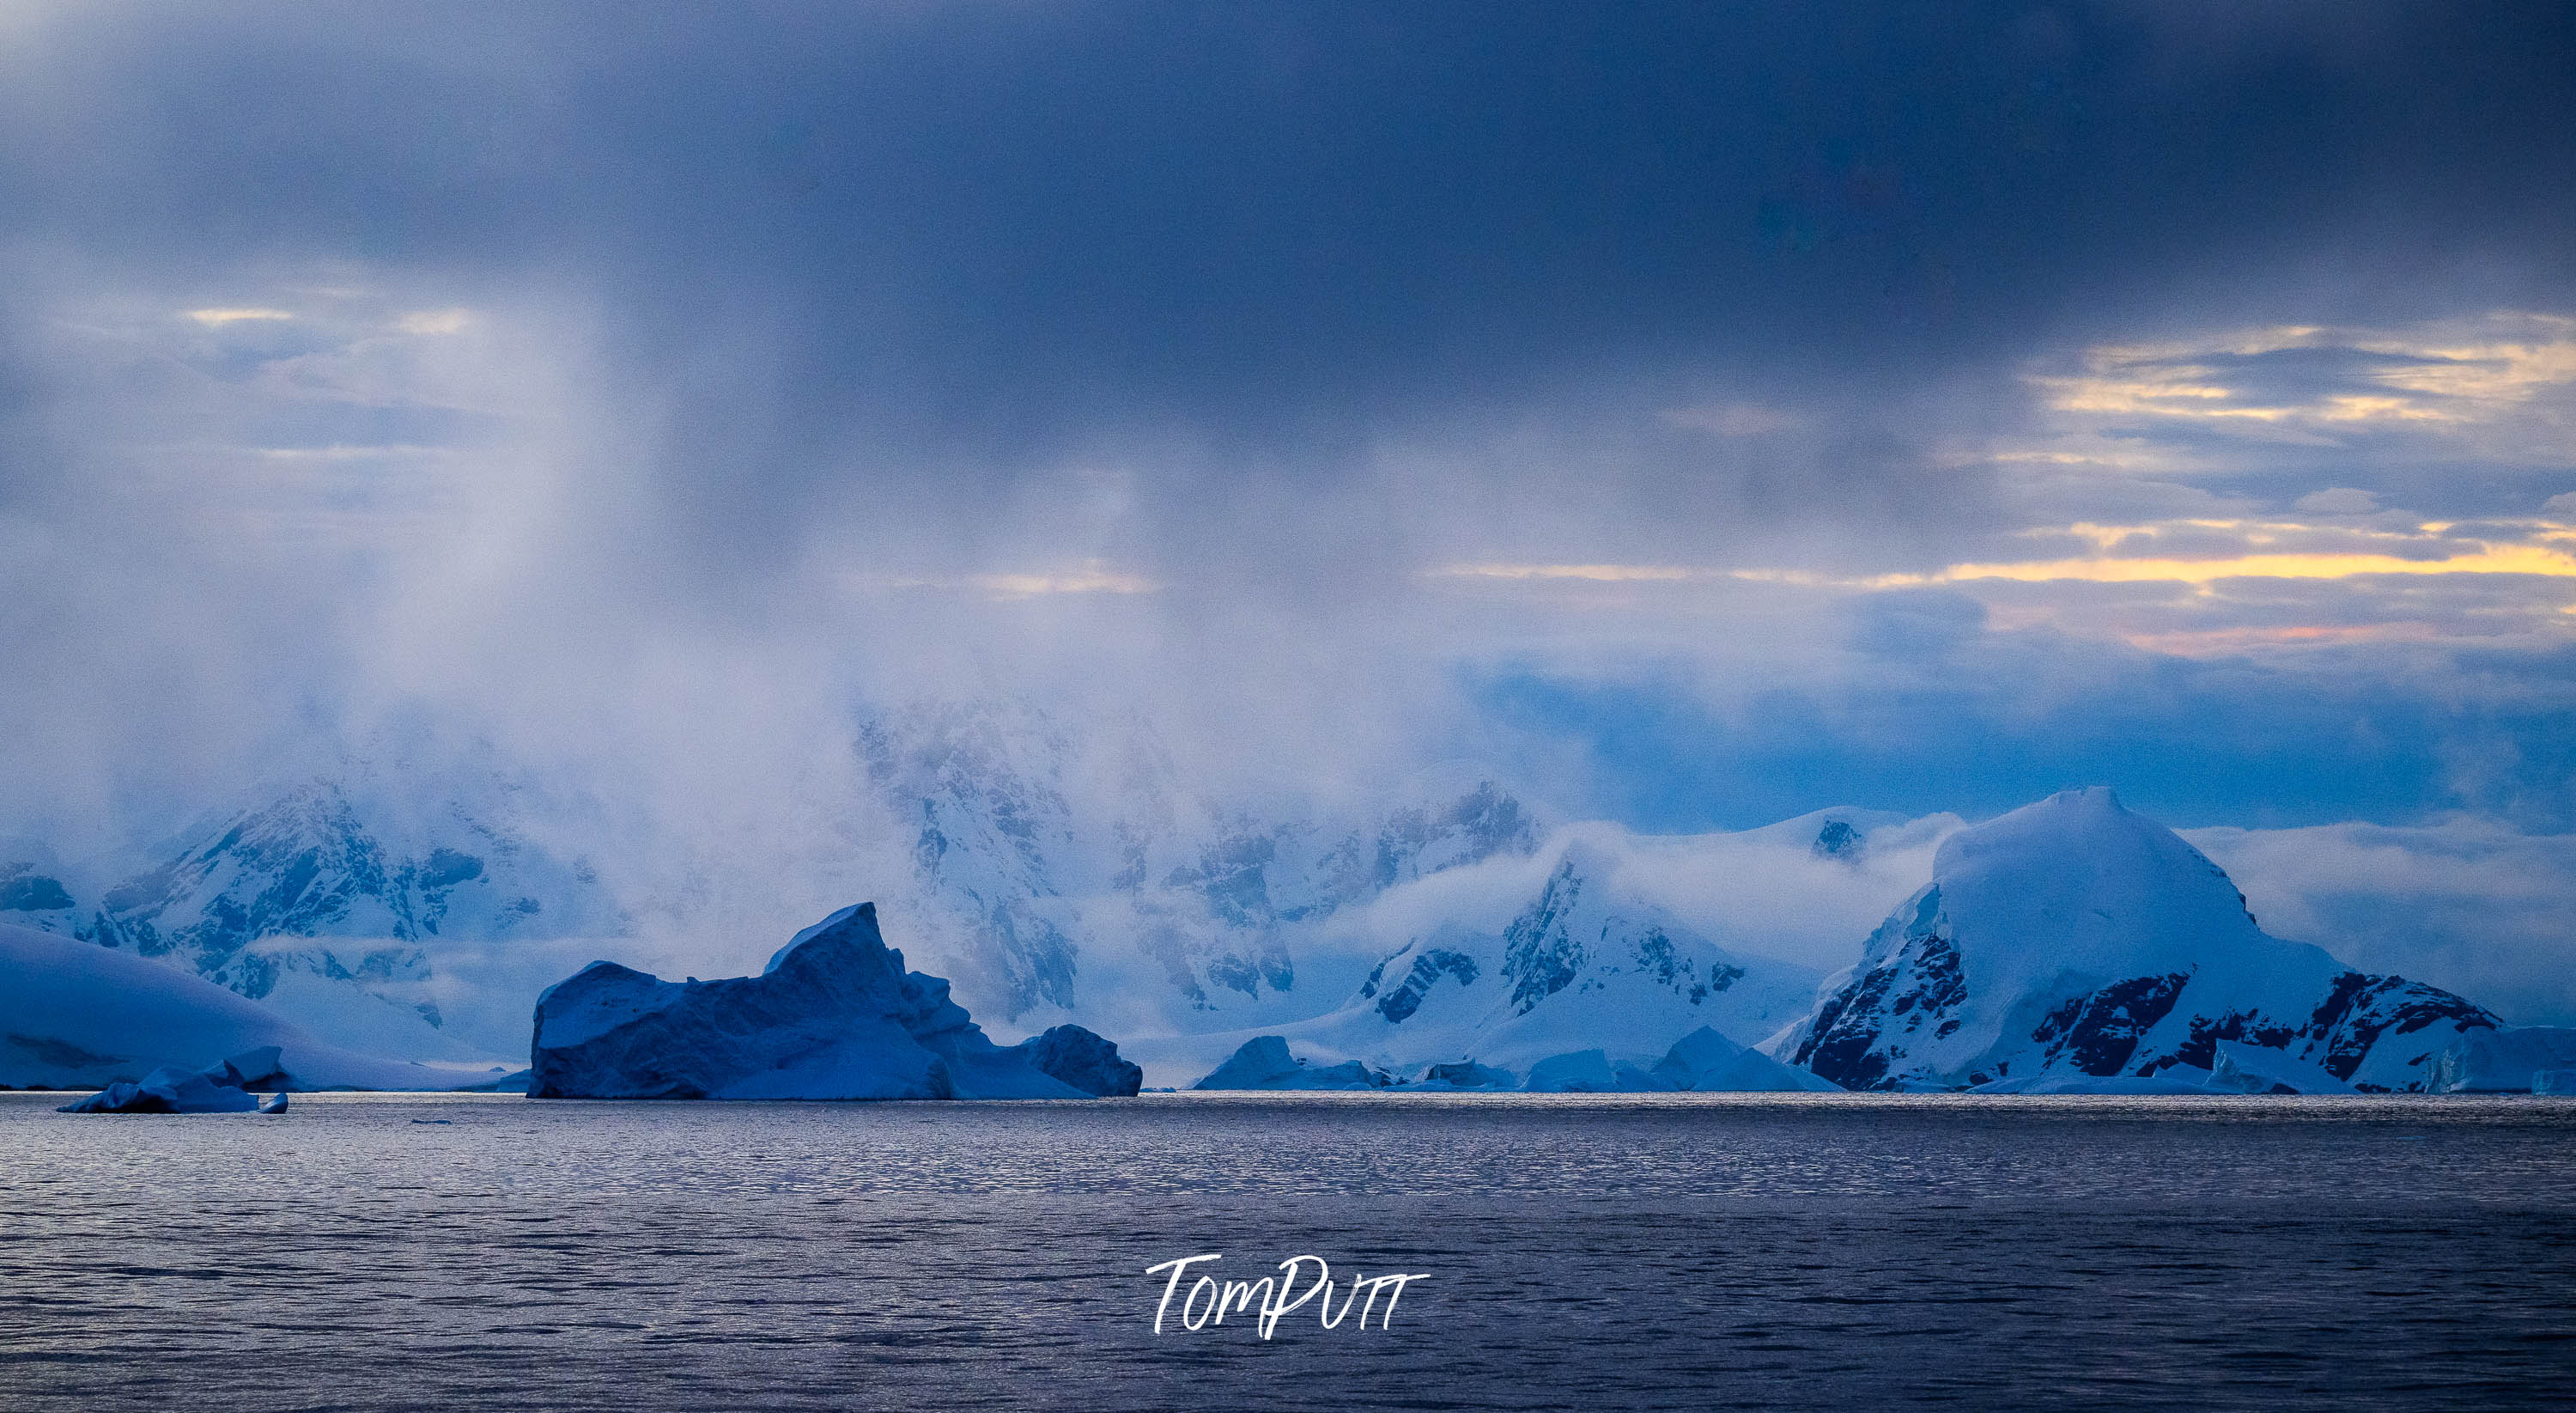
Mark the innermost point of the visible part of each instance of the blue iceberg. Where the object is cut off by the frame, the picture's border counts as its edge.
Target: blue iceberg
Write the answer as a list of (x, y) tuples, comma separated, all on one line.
[(1263, 1062), (833, 1016)]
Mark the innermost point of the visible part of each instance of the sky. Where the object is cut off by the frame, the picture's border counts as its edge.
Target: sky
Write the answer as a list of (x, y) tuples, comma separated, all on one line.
[(1702, 413)]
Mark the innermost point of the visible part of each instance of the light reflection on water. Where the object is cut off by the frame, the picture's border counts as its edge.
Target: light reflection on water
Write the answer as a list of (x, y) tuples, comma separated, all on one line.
[(1585, 1251)]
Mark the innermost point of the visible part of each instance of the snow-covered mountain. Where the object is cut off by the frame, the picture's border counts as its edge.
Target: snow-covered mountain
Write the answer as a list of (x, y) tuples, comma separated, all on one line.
[(333, 900), (1069, 874), (409, 901), (1598, 938), (75, 1016), (2072, 937), (1583, 958), (412, 903)]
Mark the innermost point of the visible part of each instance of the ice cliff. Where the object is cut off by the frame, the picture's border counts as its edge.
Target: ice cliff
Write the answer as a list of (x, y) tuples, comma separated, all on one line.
[(833, 1016), (2510, 1061)]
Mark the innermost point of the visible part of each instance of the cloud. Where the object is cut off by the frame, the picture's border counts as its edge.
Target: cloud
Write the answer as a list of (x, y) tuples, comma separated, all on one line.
[(2457, 373), (2342, 500), (1092, 577), (2461, 904), (1742, 419), (2486, 559), (1596, 573), (435, 321), (217, 318)]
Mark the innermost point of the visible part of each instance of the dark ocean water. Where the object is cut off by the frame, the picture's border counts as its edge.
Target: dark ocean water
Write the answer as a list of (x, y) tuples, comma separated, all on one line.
[(1580, 1252)]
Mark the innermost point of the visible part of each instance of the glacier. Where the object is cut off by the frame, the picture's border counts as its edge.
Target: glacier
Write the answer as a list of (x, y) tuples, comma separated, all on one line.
[(833, 1016), (2073, 937), (2256, 1069), (412, 902)]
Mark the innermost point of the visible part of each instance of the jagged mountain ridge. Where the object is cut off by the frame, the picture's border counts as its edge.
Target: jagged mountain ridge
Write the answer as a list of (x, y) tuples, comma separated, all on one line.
[(1583, 958), (333, 906), (1034, 846), (2072, 937)]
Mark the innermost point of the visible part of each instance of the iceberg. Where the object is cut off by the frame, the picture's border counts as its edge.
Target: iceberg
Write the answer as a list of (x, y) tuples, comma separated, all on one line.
[(165, 1091), (2553, 1082), (2506, 1061), (1705, 1061), (1085, 1061), (1263, 1062), (223, 1089), (833, 1016), (2252, 1069), (2178, 1079), (1466, 1074), (1593, 1072)]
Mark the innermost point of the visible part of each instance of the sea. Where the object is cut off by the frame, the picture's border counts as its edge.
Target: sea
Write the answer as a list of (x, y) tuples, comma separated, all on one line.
[(368, 1252)]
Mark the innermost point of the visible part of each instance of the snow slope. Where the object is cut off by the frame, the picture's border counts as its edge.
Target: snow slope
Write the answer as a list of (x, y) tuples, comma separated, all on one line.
[(345, 902), (2074, 937), (1517, 960), (78, 1016)]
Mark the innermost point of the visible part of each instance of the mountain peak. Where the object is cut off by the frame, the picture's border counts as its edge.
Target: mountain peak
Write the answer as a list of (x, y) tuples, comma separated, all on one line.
[(2073, 936), (2097, 880)]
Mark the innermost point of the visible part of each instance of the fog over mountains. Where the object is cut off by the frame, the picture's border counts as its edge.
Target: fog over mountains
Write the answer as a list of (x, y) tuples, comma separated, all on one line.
[(411, 904)]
